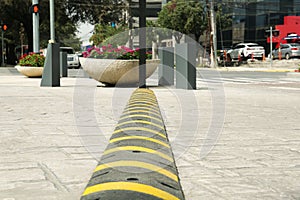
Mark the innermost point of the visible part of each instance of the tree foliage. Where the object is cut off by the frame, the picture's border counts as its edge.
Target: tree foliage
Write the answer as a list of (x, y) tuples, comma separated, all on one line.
[(223, 20), (67, 14), (185, 17), (106, 34), (190, 17)]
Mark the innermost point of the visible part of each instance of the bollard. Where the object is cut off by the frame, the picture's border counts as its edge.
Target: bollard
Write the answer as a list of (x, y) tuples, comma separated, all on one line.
[(186, 65), (279, 54), (138, 163), (63, 64), (51, 72), (166, 68)]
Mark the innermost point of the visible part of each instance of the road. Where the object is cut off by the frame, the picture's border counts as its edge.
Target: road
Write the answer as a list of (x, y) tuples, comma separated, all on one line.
[(235, 137)]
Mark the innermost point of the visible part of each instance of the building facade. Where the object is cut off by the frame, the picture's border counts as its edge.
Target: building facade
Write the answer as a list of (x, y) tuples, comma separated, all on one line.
[(251, 19)]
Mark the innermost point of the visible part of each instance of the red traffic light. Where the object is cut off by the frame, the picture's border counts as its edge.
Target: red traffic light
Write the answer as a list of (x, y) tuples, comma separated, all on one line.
[(34, 8), (4, 27)]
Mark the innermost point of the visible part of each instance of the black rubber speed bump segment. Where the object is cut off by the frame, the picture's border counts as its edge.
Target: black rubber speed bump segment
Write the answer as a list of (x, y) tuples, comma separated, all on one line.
[(138, 163)]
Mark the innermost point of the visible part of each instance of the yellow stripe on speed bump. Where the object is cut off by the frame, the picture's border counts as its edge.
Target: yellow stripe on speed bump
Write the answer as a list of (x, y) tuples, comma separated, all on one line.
[(139, 138), (142, 91), (140, 129), (138, 108), (137, 148), (135, 96), (142, 111), (142, 101), (143, 105), (144, 116), (136, 187), (128, 163), (140, 122)]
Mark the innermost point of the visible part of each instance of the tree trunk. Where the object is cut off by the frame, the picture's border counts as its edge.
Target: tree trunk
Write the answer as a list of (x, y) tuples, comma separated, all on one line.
[(28, 29), (11, 56)]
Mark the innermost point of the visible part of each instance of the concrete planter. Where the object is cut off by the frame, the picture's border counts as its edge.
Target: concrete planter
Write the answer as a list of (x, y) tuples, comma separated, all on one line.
[(112, 72), (31, 72)]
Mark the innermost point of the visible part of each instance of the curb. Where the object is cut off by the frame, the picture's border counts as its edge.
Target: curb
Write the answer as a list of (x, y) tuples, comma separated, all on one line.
[(293, 75), (138, 162), (254, 69)]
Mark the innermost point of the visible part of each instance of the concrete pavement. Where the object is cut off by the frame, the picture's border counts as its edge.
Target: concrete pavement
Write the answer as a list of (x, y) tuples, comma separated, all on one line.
[(229, 141)]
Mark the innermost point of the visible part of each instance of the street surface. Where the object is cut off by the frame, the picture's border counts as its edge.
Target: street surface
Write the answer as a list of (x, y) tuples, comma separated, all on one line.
[(235, 137)]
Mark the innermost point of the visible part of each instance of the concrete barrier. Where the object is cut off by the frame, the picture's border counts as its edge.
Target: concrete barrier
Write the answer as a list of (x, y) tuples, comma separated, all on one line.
[(138, 163)]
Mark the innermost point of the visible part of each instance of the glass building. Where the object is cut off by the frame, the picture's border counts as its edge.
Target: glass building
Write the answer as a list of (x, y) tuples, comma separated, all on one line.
[(250, 19)]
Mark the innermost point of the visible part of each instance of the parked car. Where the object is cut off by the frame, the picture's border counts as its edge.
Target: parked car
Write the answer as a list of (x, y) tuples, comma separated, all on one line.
[(287, 51), (72, 57), (244, 51)]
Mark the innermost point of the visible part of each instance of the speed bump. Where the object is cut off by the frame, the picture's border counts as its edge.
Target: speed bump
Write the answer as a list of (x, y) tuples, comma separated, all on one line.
[(138, 163)]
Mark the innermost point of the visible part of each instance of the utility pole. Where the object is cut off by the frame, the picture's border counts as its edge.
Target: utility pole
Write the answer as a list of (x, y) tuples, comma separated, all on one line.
[(3, 29), (2, 46), (213, 36), (36, 24), (271, 41), (51, 73), (271, 45), (142, 43), (52, 22)]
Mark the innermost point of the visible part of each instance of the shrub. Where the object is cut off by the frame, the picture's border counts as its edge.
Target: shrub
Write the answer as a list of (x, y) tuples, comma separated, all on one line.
[(32, 59), (110, 52)]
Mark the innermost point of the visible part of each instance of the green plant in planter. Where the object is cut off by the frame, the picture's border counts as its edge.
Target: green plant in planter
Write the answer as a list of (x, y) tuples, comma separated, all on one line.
[(32, 60)]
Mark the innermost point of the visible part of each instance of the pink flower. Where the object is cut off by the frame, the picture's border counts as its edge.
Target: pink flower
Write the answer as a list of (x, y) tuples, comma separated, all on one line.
[(85, 54), (90, 49)]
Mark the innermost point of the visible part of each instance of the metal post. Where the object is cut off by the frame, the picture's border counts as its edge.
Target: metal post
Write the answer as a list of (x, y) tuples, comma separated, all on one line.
[(142, 43), (271, 41), (2, 46), (51, 72), (213, 36), (214, 30), (36, 34), (52, 22)]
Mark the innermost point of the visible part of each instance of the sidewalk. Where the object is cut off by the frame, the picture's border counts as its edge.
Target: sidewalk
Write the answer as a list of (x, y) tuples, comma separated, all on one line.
[(51, 138)]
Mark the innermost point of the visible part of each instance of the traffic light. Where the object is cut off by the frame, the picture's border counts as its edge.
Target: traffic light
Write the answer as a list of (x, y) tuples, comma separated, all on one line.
[(34, 9), (4, 27)]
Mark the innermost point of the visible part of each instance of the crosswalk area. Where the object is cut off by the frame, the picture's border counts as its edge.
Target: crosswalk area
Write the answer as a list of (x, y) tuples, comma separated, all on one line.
[(246, 80)]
